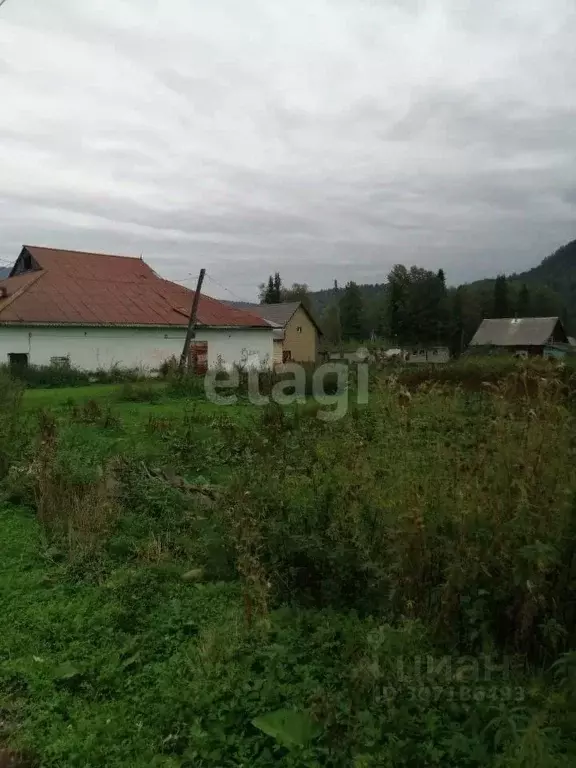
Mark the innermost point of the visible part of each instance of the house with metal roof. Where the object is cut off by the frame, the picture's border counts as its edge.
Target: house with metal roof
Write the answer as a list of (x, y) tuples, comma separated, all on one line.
[(544, 336), (95, 311), (296, 331)]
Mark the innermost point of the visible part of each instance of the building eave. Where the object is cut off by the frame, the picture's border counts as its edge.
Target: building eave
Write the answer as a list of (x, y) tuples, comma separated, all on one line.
[(146, 326)]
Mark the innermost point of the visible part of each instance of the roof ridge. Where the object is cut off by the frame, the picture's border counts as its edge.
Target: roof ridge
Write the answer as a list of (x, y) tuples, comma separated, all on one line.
[(23, 288), (85, 253)]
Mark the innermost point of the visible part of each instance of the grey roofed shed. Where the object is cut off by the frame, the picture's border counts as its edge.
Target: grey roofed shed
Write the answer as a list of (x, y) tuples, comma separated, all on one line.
[(516, 332), (278, 314)]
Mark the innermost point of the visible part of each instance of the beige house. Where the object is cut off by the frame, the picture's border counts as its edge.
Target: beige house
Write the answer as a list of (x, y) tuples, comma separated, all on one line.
[(296, 333)]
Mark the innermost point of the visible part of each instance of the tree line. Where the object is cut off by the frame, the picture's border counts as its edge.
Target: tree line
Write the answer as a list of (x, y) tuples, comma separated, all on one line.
[(415, 307), (275, 292)]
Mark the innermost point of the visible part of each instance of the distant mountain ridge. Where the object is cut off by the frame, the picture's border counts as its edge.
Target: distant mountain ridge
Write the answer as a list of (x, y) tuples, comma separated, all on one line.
[(550, 291), (558, 271)]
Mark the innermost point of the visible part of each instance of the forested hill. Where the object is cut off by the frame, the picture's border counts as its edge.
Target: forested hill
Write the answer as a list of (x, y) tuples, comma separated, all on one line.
[(557, 271), (546, 290), (321, 300)]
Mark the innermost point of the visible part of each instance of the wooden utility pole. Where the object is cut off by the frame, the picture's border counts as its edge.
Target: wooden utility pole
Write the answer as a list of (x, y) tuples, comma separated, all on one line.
[(190, 333)]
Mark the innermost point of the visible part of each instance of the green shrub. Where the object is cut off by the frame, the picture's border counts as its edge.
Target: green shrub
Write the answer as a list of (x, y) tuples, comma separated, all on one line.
[(116, 375), (451, 510), (472, 373), (49, 376), (53, 376), (168, 368), (139, 393), (188, 385)]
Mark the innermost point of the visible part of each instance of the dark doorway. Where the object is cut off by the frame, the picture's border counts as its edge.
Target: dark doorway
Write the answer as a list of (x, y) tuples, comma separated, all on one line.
[(198, 357), (18, 360)]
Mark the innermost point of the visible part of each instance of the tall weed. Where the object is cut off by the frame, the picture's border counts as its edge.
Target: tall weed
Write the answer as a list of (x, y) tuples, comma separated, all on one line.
[(453, 510), (12, 432), (77, 511)]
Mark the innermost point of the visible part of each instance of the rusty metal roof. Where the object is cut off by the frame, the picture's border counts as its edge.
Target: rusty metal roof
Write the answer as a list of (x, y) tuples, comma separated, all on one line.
[(512, 332), (72, 287)]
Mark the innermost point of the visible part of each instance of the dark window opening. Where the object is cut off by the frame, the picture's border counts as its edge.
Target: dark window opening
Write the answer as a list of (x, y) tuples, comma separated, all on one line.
[(25, 263), (18, 360)]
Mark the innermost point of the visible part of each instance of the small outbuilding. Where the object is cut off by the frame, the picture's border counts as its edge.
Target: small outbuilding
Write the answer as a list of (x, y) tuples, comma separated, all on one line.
[(528, 336), (296, 331)]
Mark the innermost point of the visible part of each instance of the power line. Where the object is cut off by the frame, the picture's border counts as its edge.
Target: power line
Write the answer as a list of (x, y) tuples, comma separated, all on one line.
[(2, 3), (224, 288), (216, 282)]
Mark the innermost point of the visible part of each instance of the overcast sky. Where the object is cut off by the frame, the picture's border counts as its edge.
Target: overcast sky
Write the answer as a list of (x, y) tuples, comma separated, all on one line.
[(326, 139)]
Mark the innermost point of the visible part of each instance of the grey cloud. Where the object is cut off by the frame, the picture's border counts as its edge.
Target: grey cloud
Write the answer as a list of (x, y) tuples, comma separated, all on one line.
[(329, 142), (504, 127)]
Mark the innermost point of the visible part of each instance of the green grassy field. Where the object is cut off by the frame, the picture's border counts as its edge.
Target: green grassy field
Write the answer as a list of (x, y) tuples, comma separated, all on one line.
[(109, 394), (184, 584)]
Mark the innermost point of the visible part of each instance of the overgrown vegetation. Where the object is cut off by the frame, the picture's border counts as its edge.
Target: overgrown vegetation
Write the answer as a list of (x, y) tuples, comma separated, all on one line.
[(49, 376), (193, 585), (474, 372)]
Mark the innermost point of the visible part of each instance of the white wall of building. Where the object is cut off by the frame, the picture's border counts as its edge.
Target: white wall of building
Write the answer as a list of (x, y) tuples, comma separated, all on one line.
[(91, 349)]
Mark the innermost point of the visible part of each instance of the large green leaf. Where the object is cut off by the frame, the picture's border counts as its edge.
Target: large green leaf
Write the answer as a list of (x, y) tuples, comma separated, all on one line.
[(289, 727)]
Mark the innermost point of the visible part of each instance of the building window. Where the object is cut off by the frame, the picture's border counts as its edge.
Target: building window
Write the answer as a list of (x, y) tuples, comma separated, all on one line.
[(18, 360), (298, 329), (60, 362), (286, 356)]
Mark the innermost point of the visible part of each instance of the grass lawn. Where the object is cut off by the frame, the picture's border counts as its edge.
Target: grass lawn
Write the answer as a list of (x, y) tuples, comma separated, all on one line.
[(89, 672), (57, 397)]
